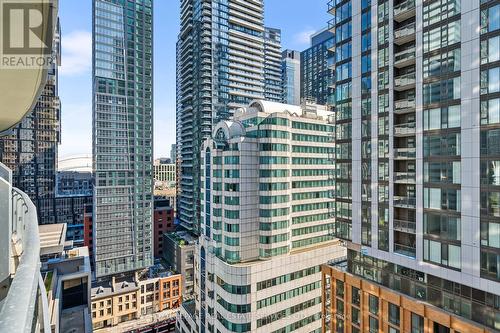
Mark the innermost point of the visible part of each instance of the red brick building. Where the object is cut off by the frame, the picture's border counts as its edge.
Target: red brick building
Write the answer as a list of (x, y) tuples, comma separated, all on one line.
[(163, 220), (88, 231)]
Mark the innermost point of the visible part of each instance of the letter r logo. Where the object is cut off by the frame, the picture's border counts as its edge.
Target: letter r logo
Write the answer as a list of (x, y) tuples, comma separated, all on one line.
[(27, 27)]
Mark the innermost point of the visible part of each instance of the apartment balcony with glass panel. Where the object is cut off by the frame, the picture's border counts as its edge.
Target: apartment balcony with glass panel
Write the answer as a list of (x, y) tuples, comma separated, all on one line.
[(405, 57), (404, 201), (404, 10), (405, 153), (405, 105), (406, 129), (404, 243), (405, 82), (405, 34), (404, 177), (405, 226)]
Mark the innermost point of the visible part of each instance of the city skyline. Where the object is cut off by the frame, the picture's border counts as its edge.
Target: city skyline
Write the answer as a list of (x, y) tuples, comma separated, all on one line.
[(75, 72)]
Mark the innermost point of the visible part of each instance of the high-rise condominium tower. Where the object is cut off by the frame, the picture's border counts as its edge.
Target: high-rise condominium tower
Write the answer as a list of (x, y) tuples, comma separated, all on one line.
[(220, 66), (290, 71), (316, 73), (122, 134), (268, 206), (31, 150), (273, 81), (417, 111)]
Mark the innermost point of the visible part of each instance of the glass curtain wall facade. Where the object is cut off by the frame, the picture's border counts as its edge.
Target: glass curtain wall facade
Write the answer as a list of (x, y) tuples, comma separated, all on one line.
[(122, 135), (290, 69), (417, 129), (316, 73), (220, 66), (30, 151)]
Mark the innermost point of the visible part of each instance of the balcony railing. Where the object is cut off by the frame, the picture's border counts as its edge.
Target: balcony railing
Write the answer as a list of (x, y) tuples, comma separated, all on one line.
[(404, 34), (405, 226), (404, 129), (405, 80), (405, 202), (404, 56), (404, 250), (404, 177), (404, 10), (405, 153), (23, 306), (404, 104)]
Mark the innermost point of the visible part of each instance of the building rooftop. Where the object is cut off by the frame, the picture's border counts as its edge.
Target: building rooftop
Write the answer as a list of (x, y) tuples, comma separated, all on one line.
[(182, 237), (52, 238), (112, 287)]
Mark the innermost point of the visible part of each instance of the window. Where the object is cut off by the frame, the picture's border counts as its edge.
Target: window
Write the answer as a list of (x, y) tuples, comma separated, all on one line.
[(490, 19), (356, 296), (442, 253), (440, 118), (490, 50), (490, 80), (394, 314), (373, 325), (373, 304), (490, 111), (440, 10), (417, 323), (490, 265), (444, 90), (490, 234), (442, 63), (442, 36), (442, 172), (340, 288), (356, 317), (442, 226)]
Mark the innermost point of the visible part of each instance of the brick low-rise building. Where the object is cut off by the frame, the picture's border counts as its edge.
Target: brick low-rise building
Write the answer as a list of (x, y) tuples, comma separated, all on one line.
[(116, 301), (163, 222)]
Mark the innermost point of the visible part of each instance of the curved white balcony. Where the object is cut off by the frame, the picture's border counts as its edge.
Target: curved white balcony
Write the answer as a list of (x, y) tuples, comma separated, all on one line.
[(23, 299)]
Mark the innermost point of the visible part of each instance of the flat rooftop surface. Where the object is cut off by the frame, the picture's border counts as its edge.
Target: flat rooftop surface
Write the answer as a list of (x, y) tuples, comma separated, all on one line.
[(73, 320)]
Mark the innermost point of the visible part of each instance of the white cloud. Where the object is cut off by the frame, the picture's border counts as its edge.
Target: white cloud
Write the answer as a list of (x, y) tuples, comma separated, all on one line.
[(303, 37), (76, 53)]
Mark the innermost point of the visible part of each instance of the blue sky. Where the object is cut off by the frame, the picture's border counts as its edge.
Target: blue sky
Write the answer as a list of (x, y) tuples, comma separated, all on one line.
[(297, 19)]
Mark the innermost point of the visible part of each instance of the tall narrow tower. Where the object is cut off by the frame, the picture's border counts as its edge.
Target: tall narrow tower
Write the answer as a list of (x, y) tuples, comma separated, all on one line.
[(122, 134), (220, 67), (417, 167)]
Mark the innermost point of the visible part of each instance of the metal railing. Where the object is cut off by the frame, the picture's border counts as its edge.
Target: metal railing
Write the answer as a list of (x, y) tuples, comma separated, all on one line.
[(404, 129), (404, 55), (405, 31), (403, 7), (404, 250), (404, 80), (407, 202), (24, 307), (406, 226), (401, 153), (406, 177), (405, 104)]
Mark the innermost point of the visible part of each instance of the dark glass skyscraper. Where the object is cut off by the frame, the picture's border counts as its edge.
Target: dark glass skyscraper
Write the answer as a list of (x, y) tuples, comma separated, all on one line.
[(316, 73), (31, 150), (122, 135), (220, 67)]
